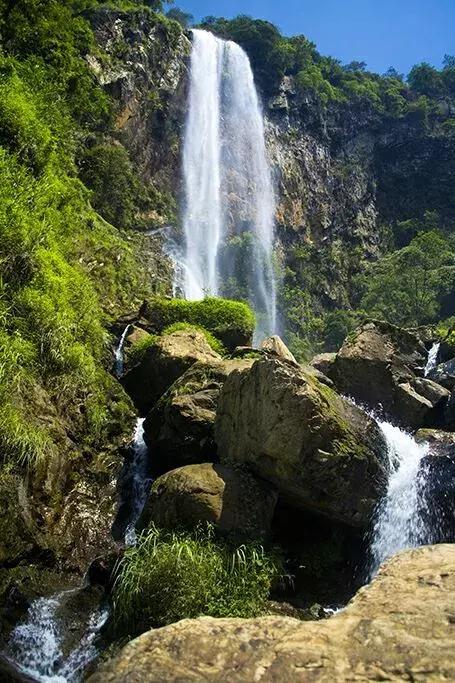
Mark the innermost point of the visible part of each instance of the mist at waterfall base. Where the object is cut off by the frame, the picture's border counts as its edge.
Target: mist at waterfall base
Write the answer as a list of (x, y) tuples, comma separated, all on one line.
[(229, 206)]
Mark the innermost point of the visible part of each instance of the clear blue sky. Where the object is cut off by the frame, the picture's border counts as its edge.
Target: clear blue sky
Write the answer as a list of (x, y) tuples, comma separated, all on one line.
[(382, 33)]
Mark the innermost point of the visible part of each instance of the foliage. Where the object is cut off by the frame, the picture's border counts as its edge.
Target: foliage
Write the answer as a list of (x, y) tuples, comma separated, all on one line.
[(408, 286), (118, 193), (213, 314), (185, 19), (139, 348), (174, 575), (212, 341)]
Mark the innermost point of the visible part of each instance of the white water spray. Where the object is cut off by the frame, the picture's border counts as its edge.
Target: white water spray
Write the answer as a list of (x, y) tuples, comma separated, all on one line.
[(398, 524), (228, 186), (432, 358), (36, 644)]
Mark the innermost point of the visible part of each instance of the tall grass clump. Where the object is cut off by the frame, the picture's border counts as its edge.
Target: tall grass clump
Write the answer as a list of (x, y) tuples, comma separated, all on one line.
[(172, 575)]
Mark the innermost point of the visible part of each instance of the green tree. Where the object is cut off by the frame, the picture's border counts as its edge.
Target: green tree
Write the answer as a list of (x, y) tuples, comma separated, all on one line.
[(185, 19), (426, 80)]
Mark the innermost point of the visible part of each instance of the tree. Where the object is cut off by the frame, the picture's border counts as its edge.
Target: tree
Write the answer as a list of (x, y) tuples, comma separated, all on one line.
[(393, 73), (185, 19), (408, 286), (355, 66), (448, 62), (424, 79)]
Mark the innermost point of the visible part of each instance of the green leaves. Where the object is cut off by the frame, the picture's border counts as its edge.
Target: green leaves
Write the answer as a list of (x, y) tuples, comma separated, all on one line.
[(176, 575)]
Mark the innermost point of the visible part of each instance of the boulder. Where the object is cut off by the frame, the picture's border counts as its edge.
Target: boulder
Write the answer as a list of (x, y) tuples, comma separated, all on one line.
[(179, 428), (321, 452), (449, 413), (232, 500), (163, 363), (444, 374), (378, 365), (399, 628), (323, 362), (275, 346)]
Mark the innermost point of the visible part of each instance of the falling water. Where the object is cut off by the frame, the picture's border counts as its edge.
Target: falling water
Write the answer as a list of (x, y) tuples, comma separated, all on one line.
[(398, 523), (228, 186), (140, 481), (432, 358), (118, 353), (36, 644)]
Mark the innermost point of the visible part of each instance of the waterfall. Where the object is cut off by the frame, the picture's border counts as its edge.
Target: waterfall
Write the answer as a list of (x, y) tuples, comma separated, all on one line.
[(398, 521), (432, 358), (227, 179), (140, 481), (118, 353), (35, 645)]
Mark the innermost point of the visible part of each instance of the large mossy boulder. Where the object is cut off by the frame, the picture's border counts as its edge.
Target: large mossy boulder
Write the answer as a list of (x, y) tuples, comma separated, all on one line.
[(162, 363), (399, 628), (232, 500), (179, 430), (321, 452), (232, 322), (380, 366)]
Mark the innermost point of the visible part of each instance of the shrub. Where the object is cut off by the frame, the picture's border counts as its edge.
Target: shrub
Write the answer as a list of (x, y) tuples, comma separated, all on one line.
[(218, 316), (212, 341), (138, 348), (175, 575)]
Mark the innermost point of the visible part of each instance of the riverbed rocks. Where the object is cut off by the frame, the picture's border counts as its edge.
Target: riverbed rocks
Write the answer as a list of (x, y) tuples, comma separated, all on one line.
[(162, 363), (179, 429), (379, 366), (322, 453), (231, 500), (398, 628)]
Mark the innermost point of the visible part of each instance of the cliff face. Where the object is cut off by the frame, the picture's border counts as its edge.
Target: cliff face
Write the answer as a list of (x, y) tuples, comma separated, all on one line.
[(344, 173)]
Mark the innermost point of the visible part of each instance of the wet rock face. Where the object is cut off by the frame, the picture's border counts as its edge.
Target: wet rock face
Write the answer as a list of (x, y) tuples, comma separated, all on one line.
[(370, 640), (233, 501), (321, 452), (378, 366)]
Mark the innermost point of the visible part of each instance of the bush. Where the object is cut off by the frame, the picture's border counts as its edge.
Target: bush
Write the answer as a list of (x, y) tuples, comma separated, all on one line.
[(212, 341), (175, 575), (218, 316)]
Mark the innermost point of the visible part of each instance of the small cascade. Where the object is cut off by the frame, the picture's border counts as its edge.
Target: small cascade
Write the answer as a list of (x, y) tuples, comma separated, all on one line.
[(140, 481), (36, 644), (432, 358), (118, 353), (398, 522)]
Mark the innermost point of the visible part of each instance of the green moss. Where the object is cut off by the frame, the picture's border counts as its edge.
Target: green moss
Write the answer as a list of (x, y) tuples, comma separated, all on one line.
[(201, 576), (212, 341), (139, 348), (218, 316)]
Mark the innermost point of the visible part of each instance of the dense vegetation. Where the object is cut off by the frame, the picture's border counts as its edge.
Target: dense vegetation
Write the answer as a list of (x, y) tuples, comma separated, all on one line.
[(63, 269), (176, 575)]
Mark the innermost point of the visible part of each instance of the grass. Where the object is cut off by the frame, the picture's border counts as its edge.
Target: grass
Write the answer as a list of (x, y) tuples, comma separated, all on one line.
[(174, 575)]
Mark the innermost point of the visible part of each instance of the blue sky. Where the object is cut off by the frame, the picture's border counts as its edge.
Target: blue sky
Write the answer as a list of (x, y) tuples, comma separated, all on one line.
[(382, 33)]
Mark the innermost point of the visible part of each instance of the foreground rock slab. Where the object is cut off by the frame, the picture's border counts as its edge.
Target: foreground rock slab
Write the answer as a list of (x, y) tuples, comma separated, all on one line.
[(399, 628), (321, 452)]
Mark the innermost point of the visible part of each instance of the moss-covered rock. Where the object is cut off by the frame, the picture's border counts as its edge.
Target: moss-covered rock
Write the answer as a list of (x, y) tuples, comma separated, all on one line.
[(162, 363), (320, 451), (232, 322), (179, 428), (232, 500)]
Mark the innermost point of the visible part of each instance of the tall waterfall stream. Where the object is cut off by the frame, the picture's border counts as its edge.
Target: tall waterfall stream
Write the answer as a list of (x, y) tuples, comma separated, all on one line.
[(227, 179)]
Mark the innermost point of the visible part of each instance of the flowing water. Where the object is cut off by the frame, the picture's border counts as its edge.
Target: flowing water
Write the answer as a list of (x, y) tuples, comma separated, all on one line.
[(118, 353), (140, 481), (398, 521), (228, 185), (36, 644), (432, 358)]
